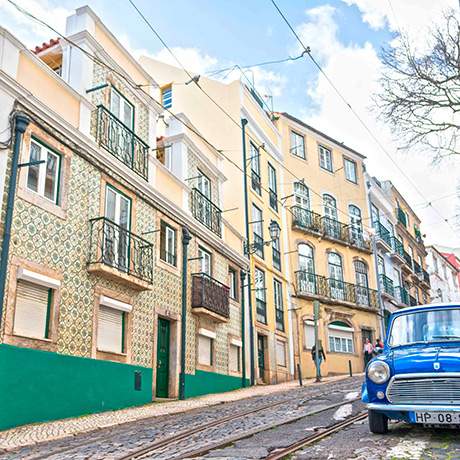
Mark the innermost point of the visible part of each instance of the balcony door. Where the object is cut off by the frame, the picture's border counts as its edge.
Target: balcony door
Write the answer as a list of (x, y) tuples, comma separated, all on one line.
[(362, 283), (336, 276), (122, 109), (356, 225), (204, 201), (116, 229), (330, 213), (121, 140), (307, 280)]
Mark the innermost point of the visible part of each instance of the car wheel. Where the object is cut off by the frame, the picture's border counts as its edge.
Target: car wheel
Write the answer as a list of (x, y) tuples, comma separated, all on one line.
[(378, 423)]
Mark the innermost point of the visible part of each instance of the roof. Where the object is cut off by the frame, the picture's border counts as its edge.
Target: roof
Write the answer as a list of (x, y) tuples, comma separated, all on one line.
[(444, 256), (429, 306), (46, 45), (326, 136)]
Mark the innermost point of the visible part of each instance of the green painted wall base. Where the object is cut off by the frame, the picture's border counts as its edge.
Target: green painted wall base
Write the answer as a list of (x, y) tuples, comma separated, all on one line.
[(203, 383), (37, 386)]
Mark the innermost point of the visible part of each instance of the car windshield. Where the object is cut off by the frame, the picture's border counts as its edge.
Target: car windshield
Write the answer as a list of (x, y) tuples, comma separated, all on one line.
[(425, 326)]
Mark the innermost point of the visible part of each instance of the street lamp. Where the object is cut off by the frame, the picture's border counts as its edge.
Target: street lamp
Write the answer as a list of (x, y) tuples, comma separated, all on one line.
[(274, 230)]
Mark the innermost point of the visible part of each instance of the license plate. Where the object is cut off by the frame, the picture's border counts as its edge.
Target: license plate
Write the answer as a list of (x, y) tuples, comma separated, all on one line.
[(437, 418)]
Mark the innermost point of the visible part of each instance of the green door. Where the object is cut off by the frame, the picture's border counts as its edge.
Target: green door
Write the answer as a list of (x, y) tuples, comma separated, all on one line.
[(163, 358), (261, 355)]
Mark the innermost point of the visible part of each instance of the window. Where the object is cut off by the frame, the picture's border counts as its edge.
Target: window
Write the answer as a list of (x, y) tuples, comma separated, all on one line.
[(356, 225), (375, 215), (337, 287), (110, 330), (234, 358), (166, 97), (340, 337), (255, 168), (381, 265), (44, 178), (205, 261), (362, 283), (257, 230), (297, 145), (301, 195), (330, 206), (332, 226), (205, 350), (281, 353), (350, 170), (261, 305), (325, 158), (233, 283), (279, 311), (308, 334), (32, 310), (306, 274), (122, 108), (276, 254), (168, 244), (272, 187)]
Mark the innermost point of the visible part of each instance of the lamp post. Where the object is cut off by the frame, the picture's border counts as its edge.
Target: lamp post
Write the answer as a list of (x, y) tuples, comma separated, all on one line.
[(274, 230)]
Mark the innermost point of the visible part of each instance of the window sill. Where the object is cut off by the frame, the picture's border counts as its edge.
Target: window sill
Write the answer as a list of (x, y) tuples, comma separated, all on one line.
[(30, 337), (42, 202), (205, 367), (167, 266), (111, 356), (30, 342)]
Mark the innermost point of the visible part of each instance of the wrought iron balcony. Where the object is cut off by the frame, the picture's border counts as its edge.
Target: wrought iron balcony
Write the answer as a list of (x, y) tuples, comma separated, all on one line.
[(273, 200), (256, 182), (401, 294), (121, 250), (261, 311), (309, 284), (401, 217), (206, 212), (407, 259), (357, 239), (279, 318), (119, 140), (386, 284), (210, 297), (304, 219), (383, 234), (334, 229)]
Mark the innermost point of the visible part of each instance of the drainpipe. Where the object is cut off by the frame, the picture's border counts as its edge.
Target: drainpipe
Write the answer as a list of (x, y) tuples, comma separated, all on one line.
[(243, 330), (21, 123), (244, 122), (186, 237)]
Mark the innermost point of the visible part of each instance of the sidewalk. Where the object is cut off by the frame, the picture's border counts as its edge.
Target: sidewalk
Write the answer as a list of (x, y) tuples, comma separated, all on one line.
[(41, 432)]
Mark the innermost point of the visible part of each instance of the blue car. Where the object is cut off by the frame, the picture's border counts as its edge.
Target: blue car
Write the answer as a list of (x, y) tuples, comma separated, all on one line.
[(416, 378)]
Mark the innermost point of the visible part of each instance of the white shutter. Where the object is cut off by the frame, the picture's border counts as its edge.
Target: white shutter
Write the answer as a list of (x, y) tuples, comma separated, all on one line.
[(234, 358), (309, 334), (31, 309), (281, 353), (204, 350), (110, 330)]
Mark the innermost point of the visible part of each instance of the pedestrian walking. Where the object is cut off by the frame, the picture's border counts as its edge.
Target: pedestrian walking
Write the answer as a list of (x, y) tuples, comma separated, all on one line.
[(368, 351), (321, 355)]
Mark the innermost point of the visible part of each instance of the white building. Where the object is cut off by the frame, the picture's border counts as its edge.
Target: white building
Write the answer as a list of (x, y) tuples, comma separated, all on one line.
[(443, 277)]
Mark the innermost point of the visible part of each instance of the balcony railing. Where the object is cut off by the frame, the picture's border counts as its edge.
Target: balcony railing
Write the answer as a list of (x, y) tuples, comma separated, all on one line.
[(397, 247), (426, 277), (279, 318), (276, 256), (334, 229), (356, 238), (386, 284), (401, 217), (206, 212), (407, 258), (117, 247), (273, 200), (401, 294), (255, 182), (113, 135), (210, 294), (383, 233), (330, 288), (305, 219), (417, 267), (261, 311)]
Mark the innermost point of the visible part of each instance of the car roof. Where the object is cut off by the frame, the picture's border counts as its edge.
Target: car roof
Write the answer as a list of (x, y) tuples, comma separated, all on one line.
[(429, 306)]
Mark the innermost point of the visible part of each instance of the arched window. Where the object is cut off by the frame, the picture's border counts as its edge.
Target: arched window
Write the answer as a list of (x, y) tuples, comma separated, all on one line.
[(306, 273), (356, 224), (330, 206), (331, 224), (340, 337), (362, 283), (336, 285), (301, 195)]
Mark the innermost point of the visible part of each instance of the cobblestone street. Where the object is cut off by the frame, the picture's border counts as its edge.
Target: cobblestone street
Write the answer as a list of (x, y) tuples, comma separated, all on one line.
[(255, 428)]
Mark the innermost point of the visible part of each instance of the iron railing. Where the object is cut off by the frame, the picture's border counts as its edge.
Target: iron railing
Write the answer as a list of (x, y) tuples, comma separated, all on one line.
[(332, 228), (383, 233), (113, 135), (330, 288), (402, 295), (273, 197), (397, 246), (279, 318), (386, 284), (206, 212), (407, 258), (210, 294), (356, 239), (256, 182), (276, 256), (306, 220), (121, 249), (417, 267), (261, 311), (401, 217)]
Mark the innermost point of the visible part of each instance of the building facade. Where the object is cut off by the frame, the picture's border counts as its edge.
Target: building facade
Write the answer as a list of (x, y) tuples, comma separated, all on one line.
[(101, 232), (443, 271), (329, 249)]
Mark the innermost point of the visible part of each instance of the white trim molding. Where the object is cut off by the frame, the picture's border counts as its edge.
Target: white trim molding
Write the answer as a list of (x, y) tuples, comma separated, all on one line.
[(116, 304), (37, 278)]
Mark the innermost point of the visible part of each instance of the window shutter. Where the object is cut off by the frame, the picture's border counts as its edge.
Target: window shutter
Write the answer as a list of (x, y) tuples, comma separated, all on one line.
[(280, 353), (110, 330), (31, 312), (204, 350), (234, 358)]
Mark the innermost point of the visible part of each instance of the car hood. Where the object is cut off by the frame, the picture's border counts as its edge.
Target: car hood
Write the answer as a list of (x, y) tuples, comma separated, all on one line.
[(426, 359)]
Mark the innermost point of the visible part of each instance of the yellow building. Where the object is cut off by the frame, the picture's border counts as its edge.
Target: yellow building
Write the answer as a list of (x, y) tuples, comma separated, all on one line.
[(329, 248)]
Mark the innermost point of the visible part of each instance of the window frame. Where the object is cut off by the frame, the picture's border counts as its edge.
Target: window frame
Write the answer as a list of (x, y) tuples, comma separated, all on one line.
[(256, 175), (292, 150), (212, 341), (164, 89), (336, 336), (261, 293), (165, 254), (233, 283), (126, 101), (278, 302), (324, 165), (257, 224), (273, 187), (348, 161), (203, 250)]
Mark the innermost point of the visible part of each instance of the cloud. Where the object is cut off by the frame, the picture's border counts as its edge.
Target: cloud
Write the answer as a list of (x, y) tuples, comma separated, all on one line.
[(355, 69)]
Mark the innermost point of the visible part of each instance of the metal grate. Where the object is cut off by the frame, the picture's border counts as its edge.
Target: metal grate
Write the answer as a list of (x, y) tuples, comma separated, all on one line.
[(431, 390)]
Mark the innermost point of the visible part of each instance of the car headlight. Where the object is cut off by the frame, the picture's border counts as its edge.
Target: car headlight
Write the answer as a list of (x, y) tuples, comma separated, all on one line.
[(378, 372)]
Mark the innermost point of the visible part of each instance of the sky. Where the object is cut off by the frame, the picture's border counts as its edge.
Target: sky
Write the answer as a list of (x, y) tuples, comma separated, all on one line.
[(345, 37)]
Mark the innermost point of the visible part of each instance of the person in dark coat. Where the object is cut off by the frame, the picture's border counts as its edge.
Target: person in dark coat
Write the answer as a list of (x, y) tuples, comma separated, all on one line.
[(321, 355)]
